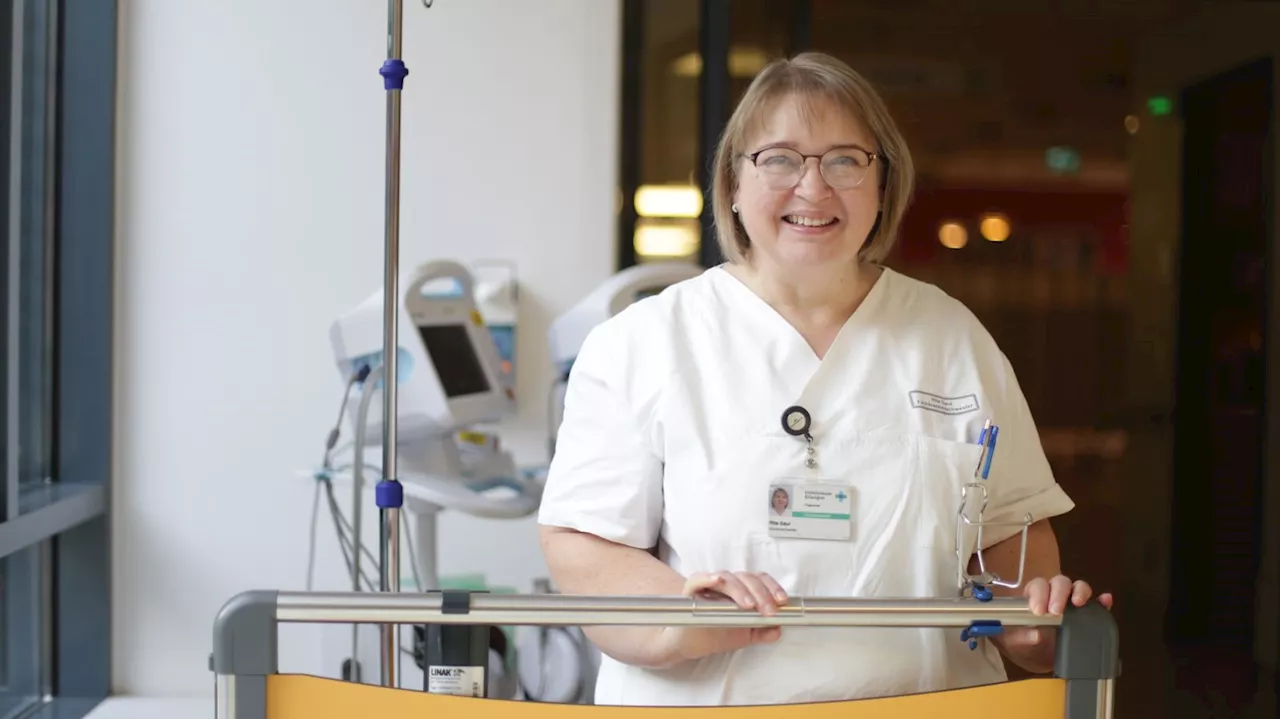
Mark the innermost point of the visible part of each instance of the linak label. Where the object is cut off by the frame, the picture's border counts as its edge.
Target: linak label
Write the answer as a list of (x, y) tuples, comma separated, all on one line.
[(457, 681)]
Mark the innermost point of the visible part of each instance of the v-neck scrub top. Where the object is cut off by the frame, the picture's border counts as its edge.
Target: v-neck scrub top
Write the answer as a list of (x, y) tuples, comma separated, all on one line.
[(672, 437)]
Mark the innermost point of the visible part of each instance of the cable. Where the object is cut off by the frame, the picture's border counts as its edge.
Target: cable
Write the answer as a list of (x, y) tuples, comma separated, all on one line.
[(346, 526), (348, 542), (338, 522), (330, 442), (342, 527), (348, 534), (357, 485), (351, 547), (413, 556), (345, 543), (311, 542)]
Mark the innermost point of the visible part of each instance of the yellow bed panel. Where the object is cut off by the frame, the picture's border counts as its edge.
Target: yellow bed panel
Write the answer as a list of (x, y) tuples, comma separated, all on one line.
[(292, 696)]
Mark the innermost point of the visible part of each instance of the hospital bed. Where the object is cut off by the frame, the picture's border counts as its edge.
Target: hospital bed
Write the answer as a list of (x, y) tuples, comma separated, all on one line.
[(249, 685)]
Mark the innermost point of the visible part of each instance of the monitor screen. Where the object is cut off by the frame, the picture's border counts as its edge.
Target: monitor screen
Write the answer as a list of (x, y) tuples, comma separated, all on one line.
[(648, 292), (455, 359)]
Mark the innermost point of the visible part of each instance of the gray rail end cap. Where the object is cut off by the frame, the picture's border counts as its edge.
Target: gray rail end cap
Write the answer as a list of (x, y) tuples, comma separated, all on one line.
[(1088, 644), (245, 635)]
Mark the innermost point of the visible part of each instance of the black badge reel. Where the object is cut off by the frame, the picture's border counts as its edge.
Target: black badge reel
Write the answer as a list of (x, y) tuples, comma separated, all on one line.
[(797, 422)]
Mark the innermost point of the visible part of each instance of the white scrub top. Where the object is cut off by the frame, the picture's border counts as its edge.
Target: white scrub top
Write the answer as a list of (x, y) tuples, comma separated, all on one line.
[(672, 437)]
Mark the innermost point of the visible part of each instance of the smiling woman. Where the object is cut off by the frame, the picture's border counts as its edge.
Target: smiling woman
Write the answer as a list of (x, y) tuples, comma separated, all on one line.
[(810, 183)]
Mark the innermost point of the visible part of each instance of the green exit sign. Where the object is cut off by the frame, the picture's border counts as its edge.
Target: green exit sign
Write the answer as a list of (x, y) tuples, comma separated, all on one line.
[(1159, 105), (1062, 160)]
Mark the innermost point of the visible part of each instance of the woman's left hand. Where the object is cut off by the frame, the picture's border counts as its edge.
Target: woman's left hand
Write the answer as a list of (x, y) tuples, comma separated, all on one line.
[(1032, 648)]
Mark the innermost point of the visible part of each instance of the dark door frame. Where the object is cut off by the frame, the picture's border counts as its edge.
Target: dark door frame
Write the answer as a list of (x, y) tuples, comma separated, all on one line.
[(1191, 593), (715, 33)]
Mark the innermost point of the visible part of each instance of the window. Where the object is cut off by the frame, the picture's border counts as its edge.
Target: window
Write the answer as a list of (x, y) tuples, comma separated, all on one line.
[(684, 66), (19, 620), (56, 113)]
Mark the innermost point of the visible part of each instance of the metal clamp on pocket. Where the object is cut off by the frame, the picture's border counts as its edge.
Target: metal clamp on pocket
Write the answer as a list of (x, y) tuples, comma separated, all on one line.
[(979, 584)]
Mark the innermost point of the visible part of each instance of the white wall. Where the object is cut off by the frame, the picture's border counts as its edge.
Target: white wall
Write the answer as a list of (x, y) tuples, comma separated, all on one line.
[(250, 214)]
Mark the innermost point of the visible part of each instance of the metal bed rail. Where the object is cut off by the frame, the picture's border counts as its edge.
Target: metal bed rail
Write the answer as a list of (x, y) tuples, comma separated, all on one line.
[(246, 629)]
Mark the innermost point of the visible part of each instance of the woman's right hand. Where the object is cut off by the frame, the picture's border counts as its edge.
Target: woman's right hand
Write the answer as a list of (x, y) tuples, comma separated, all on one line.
[(749, 590)]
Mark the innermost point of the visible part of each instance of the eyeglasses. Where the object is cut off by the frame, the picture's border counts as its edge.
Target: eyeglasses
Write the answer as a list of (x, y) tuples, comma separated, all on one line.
[(844, 168)]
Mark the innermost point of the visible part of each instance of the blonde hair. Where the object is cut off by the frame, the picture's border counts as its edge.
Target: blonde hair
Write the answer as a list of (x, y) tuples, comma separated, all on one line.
[(813, 77)]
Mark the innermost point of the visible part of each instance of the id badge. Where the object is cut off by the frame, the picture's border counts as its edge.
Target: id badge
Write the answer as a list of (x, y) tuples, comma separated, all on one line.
[(810, 509)]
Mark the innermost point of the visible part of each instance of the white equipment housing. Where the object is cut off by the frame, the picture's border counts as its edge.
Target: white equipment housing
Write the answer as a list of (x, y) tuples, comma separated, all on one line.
[(448, 371), (570, 330), (449, 381)]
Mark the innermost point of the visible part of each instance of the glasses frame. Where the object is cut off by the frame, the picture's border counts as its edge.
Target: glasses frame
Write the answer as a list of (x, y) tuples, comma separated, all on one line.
[(873, 157)]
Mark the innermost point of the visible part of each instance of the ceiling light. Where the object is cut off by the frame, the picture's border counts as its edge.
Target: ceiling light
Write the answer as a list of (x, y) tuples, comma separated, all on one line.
[(952, 235), (995, 227), (668, 201)]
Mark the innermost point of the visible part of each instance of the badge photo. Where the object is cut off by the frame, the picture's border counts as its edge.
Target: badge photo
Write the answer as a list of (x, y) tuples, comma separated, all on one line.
[(780, 500)]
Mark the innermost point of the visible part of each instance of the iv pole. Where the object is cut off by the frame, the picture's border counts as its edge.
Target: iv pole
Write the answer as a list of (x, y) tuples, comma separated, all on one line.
[(389, 492)]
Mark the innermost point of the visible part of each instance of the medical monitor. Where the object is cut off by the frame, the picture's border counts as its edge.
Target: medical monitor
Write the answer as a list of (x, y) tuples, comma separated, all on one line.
[(448, 370)]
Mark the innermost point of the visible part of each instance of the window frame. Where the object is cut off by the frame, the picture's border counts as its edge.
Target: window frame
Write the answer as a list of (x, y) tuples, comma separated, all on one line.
[(66, 519)]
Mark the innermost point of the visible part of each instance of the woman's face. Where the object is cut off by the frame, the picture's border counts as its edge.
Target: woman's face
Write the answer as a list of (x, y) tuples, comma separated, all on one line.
[(779, 500), (809, 223)]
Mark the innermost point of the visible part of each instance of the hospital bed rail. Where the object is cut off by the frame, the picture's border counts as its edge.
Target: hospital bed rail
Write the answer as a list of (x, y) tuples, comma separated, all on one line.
[(245, 636)]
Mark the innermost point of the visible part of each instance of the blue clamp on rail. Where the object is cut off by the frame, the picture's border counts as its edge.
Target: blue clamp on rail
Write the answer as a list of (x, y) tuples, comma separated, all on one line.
[(980, 628), (981, 593)]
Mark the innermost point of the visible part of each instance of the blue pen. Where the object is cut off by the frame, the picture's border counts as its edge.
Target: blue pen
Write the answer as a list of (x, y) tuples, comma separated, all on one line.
[(991, 450), (986, 438)]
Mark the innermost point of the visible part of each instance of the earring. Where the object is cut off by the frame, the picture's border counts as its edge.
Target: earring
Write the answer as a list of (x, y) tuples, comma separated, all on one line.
[(734, 207)]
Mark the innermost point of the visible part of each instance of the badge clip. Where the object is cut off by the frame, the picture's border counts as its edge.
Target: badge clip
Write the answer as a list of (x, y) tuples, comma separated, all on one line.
[(796, 422)]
